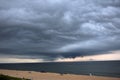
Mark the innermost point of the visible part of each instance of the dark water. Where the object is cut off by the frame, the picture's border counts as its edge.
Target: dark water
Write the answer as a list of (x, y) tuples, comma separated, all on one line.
[(99, 68)]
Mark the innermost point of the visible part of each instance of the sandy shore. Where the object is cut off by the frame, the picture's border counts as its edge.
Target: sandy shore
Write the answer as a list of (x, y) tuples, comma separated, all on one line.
[(51, 76)]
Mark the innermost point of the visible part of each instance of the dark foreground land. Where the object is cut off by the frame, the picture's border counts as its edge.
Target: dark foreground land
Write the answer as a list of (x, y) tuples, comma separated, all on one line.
[(6, 77)]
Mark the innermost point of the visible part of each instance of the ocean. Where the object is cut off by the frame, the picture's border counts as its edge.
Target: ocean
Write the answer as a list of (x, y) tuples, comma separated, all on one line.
[(99, 68)]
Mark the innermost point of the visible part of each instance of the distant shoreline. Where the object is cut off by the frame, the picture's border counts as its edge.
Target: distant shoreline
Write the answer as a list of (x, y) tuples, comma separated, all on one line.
[(51, 76), (61, 62)]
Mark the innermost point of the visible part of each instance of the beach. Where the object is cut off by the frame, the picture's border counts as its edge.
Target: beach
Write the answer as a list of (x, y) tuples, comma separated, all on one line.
[(52, 76)]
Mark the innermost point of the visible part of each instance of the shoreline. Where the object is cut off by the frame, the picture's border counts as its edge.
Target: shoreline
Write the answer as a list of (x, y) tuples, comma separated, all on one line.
[(33, 75)]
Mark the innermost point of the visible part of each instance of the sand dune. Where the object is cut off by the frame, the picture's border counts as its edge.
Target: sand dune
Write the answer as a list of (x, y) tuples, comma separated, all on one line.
[(51, 76)]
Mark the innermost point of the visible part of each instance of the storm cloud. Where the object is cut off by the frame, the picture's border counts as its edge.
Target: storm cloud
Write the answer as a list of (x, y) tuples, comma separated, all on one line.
[(49, 29)]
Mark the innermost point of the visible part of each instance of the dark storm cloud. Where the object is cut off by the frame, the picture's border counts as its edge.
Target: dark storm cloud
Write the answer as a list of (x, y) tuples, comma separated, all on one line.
[(55, 28)]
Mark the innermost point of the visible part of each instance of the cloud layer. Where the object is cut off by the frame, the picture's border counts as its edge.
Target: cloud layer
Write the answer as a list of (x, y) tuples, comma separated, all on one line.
[(50, 29)]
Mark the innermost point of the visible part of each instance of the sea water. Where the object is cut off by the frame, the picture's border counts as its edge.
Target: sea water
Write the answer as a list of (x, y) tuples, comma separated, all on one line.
[(99, 68)]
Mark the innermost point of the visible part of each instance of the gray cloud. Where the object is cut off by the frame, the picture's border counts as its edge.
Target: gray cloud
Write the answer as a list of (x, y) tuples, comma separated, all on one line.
[(55, 28)]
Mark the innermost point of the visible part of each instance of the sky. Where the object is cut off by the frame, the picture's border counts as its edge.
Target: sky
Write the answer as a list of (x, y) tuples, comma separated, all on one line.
[(59, 30)]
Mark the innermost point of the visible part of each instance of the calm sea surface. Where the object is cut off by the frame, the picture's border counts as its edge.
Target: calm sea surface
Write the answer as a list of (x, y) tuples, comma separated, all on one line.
[(99, 68)]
